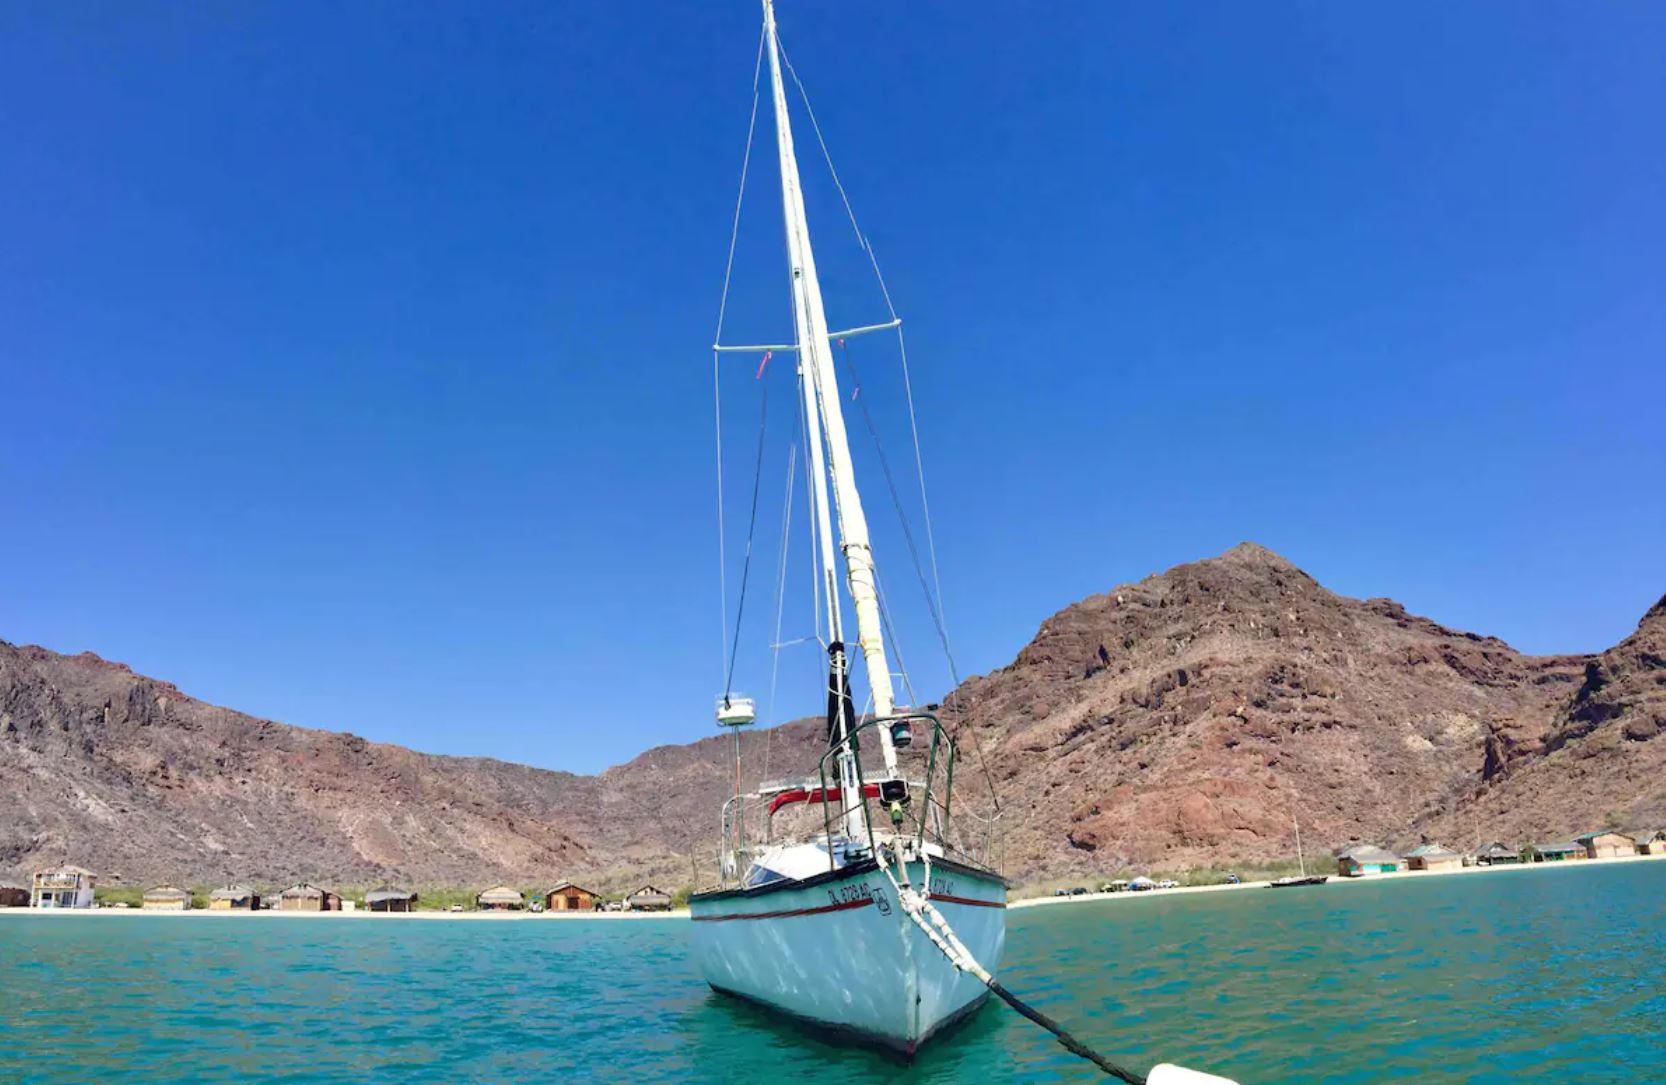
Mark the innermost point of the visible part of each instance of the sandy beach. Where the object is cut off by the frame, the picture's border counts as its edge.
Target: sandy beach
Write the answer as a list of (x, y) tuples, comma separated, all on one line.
[(488, 917), (1373, 879), (682, 913)]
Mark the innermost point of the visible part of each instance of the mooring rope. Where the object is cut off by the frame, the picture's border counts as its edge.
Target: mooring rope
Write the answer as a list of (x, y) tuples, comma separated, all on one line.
[(917, 905)]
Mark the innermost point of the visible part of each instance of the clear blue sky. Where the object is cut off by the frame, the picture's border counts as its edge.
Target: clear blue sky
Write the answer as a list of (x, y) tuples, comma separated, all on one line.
[(353, 368)]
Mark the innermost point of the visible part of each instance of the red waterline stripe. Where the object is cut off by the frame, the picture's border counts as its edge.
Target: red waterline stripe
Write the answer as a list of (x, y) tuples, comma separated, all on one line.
[(784, 915), (968, 900)]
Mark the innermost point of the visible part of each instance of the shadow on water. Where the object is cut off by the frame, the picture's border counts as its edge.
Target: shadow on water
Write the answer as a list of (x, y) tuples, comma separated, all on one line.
[(719, 1026)]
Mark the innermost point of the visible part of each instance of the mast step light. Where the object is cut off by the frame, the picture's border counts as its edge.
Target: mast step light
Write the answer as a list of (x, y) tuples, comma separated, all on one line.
[(733, 711)]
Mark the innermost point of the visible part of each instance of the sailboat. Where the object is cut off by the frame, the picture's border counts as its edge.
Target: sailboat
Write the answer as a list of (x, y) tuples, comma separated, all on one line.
[(869, 921), (1304, 878), (871, 914)]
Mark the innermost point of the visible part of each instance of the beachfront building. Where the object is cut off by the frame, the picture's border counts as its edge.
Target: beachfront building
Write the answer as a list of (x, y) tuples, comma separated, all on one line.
[(1607, 844), (1497, 853), (166, 898), (1433, 857), (500, 898), (568, 897), (233, 898), (308, 898), (1555, 853), (12, 896), (1650, 843), (385, 898), (66, 887), (1363, 859), (648, 899)]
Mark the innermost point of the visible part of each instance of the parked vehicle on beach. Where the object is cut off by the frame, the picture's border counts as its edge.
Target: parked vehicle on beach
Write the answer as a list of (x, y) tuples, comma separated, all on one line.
[(1118, 886)]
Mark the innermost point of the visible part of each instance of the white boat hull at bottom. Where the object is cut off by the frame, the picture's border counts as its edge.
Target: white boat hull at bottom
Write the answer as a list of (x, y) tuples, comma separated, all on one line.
[(838, 952)]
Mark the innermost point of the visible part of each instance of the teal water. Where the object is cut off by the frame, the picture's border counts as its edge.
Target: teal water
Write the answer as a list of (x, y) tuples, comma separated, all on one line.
[(1533, 976)]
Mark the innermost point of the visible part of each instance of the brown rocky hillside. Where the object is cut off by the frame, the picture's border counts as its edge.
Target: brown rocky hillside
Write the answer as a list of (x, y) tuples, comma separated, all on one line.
[(1174, 722), (1185, 719)]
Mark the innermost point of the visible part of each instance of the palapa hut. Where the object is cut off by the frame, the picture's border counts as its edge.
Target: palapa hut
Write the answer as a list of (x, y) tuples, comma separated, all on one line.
[(500, 898), (1496, 854), (1555, 853), (1363, 859), (568, 897), (385, 898), (166, 898), (1433, 857), (234, 898), (1649, 843), (66, 887), (308, 898), (12, 896), (1607, 844), (648, 899)]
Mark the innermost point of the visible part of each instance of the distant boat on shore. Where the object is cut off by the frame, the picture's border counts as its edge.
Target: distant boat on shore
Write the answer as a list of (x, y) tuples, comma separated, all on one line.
[(1304, 878)]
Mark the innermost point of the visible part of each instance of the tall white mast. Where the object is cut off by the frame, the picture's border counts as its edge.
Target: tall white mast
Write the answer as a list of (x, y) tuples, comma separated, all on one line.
[(815, 361)]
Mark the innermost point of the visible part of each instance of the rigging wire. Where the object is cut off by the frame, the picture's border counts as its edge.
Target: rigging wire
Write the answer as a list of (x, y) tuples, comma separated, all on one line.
[(896, 501), (780, 597), (891, 635), (751, 529), (902, 344), (717, 337), (913, 418), (913, 551)]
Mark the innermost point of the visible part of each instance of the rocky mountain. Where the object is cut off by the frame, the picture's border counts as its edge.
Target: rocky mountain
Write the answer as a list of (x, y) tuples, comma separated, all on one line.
[(128, 776), (1175, 722), (1186, 719)]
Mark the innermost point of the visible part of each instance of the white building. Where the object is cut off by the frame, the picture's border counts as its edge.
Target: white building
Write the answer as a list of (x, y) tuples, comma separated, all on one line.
[(66, 887)]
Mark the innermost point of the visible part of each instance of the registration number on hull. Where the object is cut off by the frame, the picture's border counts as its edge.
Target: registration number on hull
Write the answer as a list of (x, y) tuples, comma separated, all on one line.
[(855, 894)]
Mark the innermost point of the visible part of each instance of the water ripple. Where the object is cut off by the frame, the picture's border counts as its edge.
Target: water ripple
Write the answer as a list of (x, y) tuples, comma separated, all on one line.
[(1534, 977)]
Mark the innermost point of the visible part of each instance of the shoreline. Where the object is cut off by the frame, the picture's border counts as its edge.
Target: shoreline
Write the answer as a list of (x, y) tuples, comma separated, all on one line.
[(228, 913), (683, 913), (1335, 879)]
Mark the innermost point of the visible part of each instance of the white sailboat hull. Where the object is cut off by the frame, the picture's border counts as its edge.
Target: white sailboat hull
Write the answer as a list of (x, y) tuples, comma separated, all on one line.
[(838, 952)]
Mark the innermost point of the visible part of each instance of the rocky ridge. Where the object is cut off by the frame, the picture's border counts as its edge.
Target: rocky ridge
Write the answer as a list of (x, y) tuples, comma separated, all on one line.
[(1179, 721)]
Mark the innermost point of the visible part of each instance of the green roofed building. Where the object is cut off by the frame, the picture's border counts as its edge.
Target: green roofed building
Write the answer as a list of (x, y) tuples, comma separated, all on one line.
[(1363, 859)]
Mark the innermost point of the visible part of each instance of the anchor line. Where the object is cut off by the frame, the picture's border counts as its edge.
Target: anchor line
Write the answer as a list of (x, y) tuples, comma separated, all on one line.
[(917, 906)]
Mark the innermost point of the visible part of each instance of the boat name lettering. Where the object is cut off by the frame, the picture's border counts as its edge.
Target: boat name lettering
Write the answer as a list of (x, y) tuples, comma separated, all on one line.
[(850, 894)]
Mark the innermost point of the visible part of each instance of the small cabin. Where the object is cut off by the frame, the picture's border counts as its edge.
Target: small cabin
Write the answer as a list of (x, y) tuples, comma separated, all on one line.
[(66, 887), (1555, 853), (308, 898), (386, 898), (648, 899), (1497, 853), (12, 896), (568, 897), (1364, 859), (234, 898), (1607, 844), (1651, 843), (1433, 857), (500, 898), (166, 898)]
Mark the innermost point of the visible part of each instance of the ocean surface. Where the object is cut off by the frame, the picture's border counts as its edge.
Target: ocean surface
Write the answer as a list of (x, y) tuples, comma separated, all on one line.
[(1532, 976)]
